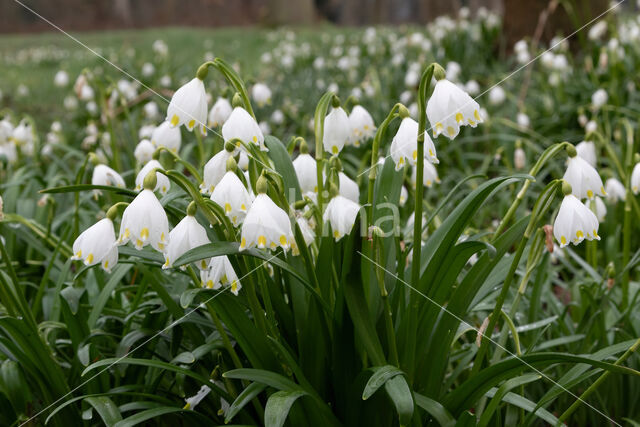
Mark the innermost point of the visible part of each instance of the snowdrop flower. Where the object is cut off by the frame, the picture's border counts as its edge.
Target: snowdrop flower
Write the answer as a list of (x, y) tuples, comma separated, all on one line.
[(362, 126), (220, 112), (220, 272), (404, 146), (337, 130), (167, 136), (599, 98), (449, 108), (144, 221), (430, 175), (575, 222), (305, 167), (583, 178), (261, 93), (144, 151), (599, 208), (635, 179), (243, 126), (615, 190), (266, 225), (497, 95), (404, 195), (192, 401), (341, 213), (232, 195), (349, 188), (104, 175), (587, 150), (188, 106), (97, 244), (162, 181), (186, 235), (61, 79), (214, 170)]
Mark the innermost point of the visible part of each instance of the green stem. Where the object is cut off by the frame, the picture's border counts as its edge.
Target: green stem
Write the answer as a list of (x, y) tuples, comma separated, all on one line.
[(318, 123), (626, 232), (388, 316)]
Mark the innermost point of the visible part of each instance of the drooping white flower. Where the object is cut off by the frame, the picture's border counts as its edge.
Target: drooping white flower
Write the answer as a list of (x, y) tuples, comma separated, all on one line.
[(449, 108), (497, 95), (519, 158), (584, 179), (151, 110), (146, 131), (193, 401), (599, 98), (404, 146), (277, 117), (598, 208), (220, 272), (144, 151), (404, 195), (167, 136), (243, 126), (188, 106), (615, 190), (523, 120), (220, 112), (635, 179), (305, 228), (61, 78), (266, 225), (349, 188), (97, 244), (575, 222), (261, 93), (337, 130), (214, 170), (362, 125), (341, 213), (144, 222), (587, 150), (162, 181), (231, 194), (429, 175), (104, 175), (305, 167), (186, 235)]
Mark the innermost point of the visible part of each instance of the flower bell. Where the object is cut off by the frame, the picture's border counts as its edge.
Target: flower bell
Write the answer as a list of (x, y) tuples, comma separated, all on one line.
[(341, 213), (583, 178), (188, 106), (220, 272), (167, 136), (104, 175), (162, 181), (144, 221), (186, 235), (574, 222), (220, 112), (615, 190), (598, 208), (193, 401), (305, 167), (450, 107), (429, 175), (97, 244), (215, 169), (519, 157), (232, 195), (266, 225), (144, 151), (404, 146), (241, 125), (261, 93), (362, 125), (587, 150), (635, 179), (337, 130), (349, 188)]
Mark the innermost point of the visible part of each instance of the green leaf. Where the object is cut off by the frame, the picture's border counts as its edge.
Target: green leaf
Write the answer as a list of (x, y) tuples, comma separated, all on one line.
[(505, 388), (147, 415), (243, 398), (88, 187), (14, 386), (400, 394), (105, 407), (527, 405), (282, 163), (269, 378), (435, 409), (278, 406), (381, 375)]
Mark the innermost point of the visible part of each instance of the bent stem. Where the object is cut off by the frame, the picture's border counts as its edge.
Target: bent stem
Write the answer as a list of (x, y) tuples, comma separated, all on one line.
[(318, 126)]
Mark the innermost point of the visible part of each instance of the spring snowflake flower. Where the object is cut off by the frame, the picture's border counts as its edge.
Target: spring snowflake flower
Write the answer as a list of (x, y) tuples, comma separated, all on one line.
[(497, 95), (615, 190), (266, 225), (599, 206), (186, 235), (362, 125), (305, 167), (308, 234), (188, 106), (449, 108), (349, 188), (523, 120), (151, 110), (519, 158), (167, 136), (220, 272), (337, 130), (193, 401), (104, 175), (232, 196), (587, 150), (220, 112), (341, 213), (599, 98), (243, 126), (61, 79), (635, 179), (261, 94), (97, 244), (575, 222), (162, 182), (404, 196), (214, 170), (144, 151), (144, 221), (429, 176), (404, 146), (584, 179)]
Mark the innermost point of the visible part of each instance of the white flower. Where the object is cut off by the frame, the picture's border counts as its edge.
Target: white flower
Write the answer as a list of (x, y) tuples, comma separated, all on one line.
[(429, 175), (220, 272), (104, 175), (523, 120), (635, 179), (188, 106), (277, 117), (305, 167), (599, 98), (148, 69), (243, 126), (261, 93), (146, 131), (167, 136), (144, 222), (404, 146), (204, 390), (497, 95), (214, 170), (265, 128), (584, 179), (519, 158), (307, 231), (449, 108), (266, 226), (337, 130), (362, 126), (186, 235), (591, 126), (587, 150), (615, 190), (472, 87), (600, 208), (575, 222), (220, 112), (233, 197), (97, 244), (61, 79), (162, 181), (151, 110), (349, 188), (144, 151), (341, 213), (404, 195)]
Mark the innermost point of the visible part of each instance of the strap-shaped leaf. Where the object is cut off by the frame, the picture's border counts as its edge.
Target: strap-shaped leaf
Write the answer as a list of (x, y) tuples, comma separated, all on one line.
[(278, 406), (381, 375)]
